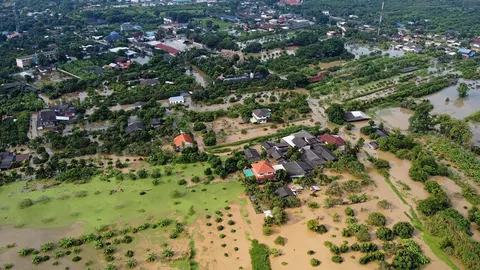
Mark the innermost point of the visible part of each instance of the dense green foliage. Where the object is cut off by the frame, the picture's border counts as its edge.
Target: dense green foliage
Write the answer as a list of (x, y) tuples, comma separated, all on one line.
[(259, 255)]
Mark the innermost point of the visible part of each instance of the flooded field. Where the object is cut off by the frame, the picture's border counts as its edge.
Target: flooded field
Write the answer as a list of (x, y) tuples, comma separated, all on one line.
[(459, 107), (395, 117), (359, 50)]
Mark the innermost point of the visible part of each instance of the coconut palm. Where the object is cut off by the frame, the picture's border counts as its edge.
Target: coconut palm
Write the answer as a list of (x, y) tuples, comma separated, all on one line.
[(151, 257)]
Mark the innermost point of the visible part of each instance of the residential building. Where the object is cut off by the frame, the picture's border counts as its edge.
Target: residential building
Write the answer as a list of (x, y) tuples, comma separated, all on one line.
[(176, 100), (6, 160), (373, 145), (332, 139), (284, 192), (134, 127), (156, 123), (297, 169), (183, 140), (354, 116), (412, 47), (66, 110), (170, 50), (263, 171), (10, 87), (47, 119), (260, 116), (381, 133), (475, 44), (252, 155), (299, 139), (127, 27), (297, 24), (28, 60), (467, 53)]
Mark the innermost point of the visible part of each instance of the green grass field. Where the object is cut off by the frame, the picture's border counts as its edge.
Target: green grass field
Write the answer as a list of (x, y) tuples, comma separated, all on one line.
[(124, 207), (222, 24)]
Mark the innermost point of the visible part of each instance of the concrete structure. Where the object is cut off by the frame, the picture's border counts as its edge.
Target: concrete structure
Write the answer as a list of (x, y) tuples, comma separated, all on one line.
[(176, 100), (28, 60)]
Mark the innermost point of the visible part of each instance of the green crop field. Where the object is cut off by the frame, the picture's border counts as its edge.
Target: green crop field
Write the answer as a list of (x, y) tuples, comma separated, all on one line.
[(116, 202)]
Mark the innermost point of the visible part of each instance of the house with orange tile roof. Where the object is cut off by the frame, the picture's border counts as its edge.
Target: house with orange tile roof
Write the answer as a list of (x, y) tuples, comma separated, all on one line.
[(263, 171), (183, 140)]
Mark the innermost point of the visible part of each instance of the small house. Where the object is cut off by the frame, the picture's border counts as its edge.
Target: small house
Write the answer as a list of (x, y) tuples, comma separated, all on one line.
[(332, 139), (263, 171), (156, 123), (373, 145), (134, 127), (355, 116), (46, 120), (284, 192), (252, 155), (6, 160), (176, 100), (467, 53), (260, 116), (183, 140)]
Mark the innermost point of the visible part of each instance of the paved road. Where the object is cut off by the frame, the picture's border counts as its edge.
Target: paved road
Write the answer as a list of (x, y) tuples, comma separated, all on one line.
[(33, 132)]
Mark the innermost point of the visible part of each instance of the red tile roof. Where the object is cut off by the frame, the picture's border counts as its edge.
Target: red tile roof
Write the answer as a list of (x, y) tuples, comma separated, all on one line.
[(262, 167), (181, 139), (330, 139), (166, 48)]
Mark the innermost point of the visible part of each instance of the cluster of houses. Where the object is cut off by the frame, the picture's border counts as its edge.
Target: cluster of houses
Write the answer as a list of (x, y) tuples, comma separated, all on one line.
[(50, 118), (313, 152), (7, 159)]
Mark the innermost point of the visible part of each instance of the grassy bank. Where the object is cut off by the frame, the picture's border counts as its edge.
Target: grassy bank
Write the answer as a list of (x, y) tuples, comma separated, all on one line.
[(118, 202)]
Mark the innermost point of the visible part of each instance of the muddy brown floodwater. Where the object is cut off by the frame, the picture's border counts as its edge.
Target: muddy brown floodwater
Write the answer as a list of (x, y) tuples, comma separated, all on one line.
[(33, 238)]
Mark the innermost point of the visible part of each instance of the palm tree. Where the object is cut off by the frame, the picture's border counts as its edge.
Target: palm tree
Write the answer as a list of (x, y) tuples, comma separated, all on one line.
[(151, 257), (167, 253), (110, 267), (131, 263)]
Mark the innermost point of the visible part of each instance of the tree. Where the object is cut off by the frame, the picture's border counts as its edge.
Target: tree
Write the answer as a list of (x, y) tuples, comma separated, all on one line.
[(131, 263), (403, 230), (313, 225), (385, 234), (151, 257), (279, 215), (279, 241), (421, 121), (376, 219), (463, 90), (300, 79), (335, 114)]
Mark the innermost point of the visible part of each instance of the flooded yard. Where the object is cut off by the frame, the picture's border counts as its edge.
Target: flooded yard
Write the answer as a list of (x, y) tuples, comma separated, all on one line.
[(395, 117)]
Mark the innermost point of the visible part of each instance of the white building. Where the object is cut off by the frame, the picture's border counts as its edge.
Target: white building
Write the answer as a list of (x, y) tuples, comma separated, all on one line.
[(176, 100)]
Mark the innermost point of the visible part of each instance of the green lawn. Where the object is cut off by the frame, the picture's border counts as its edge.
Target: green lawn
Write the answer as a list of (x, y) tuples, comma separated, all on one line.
[(123, 207), (222, 24)]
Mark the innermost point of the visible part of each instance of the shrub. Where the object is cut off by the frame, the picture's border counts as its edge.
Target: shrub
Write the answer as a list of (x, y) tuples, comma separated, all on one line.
[(129, 253), (8, 265), (46, 247), (220, 228), (337, 259), (26, 252), (368, 247), (314, 262), (231, 222), (313, 205), (384, 204), (218, 219), (195, 179), (385, 234), (349, 212), (313, 225), (279, 241), (259, 255), (76, 259), (376, 219), (25, 203), (222, 236), (182, 182), (267, 231), (310, 252), (403, 230)]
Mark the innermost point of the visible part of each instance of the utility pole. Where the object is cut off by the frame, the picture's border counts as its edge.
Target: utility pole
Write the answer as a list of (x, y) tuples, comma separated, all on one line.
[(381, 18)]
